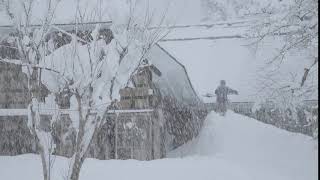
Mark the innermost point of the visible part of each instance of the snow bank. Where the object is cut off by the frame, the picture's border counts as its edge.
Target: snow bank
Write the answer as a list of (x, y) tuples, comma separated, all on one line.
[(228, 148), (261, 149), (29, 167)]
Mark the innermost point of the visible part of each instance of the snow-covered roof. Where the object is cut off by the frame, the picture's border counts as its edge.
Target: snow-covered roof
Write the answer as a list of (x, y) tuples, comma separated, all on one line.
[(218, 30)]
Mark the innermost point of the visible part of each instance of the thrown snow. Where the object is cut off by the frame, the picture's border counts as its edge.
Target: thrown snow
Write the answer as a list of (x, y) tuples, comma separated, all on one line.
[(228, 148)]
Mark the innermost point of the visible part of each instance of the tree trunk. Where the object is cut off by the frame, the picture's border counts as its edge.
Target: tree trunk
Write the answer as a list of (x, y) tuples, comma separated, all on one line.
[(79, 154), (45, 167), (46, 175), (76, 167)]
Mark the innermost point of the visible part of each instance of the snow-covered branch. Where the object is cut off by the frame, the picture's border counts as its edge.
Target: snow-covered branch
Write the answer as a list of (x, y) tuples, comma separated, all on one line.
[(292, 29)]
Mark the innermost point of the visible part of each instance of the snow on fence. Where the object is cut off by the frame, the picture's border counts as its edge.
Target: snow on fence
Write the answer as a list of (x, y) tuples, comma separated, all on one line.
[(246, 108), (302, 124), (14, 123)]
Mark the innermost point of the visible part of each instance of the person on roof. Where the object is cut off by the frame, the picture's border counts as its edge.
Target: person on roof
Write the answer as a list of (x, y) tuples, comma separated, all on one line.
[(222, 93)]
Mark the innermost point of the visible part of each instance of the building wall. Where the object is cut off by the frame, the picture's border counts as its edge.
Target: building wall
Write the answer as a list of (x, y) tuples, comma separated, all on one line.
[(13, 87), (15, 136), (137, 135)]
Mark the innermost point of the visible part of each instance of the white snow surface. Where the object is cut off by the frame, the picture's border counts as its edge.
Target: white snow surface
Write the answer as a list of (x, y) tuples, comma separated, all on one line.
[(258, 150), (228, 148)]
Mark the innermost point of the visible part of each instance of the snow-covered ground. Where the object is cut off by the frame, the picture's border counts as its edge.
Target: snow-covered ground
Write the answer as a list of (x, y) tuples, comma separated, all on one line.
[(228, 148), (257, 150)]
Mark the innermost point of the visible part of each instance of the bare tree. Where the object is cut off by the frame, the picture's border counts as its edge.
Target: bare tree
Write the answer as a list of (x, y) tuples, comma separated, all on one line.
[(30, 41), (292, 28), (105, 69), (217, 10), (296, 24), (94, 71)]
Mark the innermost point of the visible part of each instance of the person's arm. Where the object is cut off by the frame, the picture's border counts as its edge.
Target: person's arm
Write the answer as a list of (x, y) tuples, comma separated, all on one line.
[(231, 91)]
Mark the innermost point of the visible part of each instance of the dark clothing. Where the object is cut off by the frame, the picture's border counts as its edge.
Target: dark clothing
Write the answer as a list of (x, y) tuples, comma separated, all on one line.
[(222, 93)]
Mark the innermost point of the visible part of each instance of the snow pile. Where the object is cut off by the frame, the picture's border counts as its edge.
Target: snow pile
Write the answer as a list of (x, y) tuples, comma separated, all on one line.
[(29, 167), (228, 148), (257, 147)]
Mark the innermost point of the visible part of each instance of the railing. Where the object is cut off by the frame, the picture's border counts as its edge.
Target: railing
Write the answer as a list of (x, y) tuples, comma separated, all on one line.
[(249, 105), (24, 112)]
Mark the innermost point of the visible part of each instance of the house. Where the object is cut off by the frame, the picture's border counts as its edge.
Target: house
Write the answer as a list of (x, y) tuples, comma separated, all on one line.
[(158, 112)]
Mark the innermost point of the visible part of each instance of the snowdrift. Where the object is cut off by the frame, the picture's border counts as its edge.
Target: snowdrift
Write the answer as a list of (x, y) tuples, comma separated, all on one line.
[(228, 148), (256, 146)]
